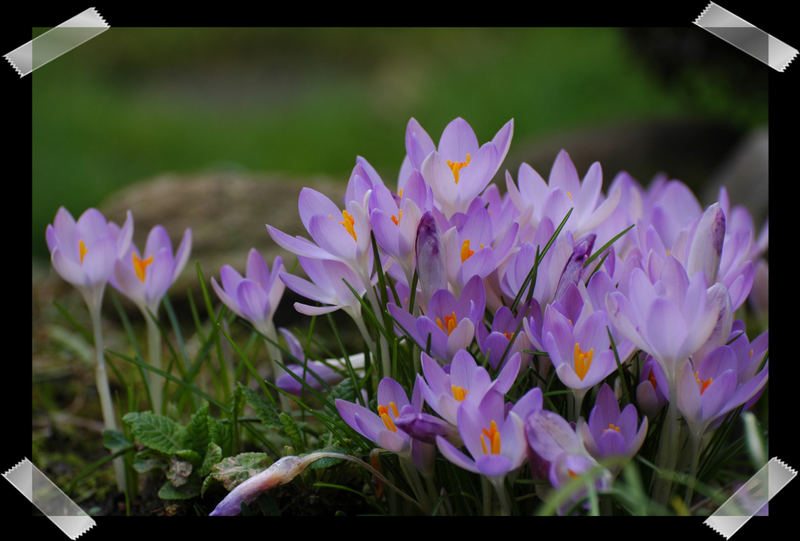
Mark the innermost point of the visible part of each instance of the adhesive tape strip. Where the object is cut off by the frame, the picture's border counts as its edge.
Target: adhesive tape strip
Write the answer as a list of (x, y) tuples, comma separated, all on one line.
[(57, 41), (746, 37), (49, 499), (751, 498)]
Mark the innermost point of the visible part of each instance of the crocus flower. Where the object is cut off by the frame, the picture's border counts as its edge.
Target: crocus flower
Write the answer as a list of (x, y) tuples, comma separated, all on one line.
[(652, 392), (495, 341), (555, 443), (256, 295), (609, 432), (83, 252), (379, 426), (144, 279), (581, 353), (430, 258), (709, 389), (669, 319), (327, 286), (449, 321), (395, 225), (494, 439), (311, 372), (445, 392), (563, 191), (472, 248), (458, 170)]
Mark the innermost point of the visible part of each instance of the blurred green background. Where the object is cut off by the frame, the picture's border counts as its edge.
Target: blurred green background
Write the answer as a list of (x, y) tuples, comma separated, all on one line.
[(133, 103)]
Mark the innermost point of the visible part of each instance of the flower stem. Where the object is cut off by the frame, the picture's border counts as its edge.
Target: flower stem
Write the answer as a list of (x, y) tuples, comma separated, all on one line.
[(275, 354), (505, 506), (667, 451), (694, 445), (103, 390), (154, 358)]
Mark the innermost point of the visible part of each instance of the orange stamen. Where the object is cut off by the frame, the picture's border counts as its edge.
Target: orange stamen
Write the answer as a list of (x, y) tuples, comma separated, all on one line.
[(397, 219), (348, 223), (582, 361), (611, 426), (383, 411), (493, 436), (82, 249), (457, 166), (459, 393), (652, 378), (450, 323), (466, 253), (140, 266), (703, 383)]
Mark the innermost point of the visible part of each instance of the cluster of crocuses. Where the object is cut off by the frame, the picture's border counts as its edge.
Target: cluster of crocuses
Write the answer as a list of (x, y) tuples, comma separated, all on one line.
[(552, 276)]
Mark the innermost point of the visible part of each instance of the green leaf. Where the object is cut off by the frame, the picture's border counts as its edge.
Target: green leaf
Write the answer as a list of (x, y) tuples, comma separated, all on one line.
[(156, 431), (147, 460), (213, 455), (207, 482), (233, 470), (220, 433), (114, 440), (170, 492), (266, 412), (292, 431), (195, 458), (196, 435)]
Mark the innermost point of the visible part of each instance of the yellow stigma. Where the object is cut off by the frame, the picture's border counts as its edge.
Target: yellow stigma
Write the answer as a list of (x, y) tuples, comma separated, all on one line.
[(466, 253), (348, 222), (450, 323), (459, 393), (611, 426), (572, 474), (82, 249), (457, 166), (582, 361), (383, 411), (397, 219), (703, 383), (400, 193), (569, 195), (494, 439), (668, 252), (140, 266), (510, 336)]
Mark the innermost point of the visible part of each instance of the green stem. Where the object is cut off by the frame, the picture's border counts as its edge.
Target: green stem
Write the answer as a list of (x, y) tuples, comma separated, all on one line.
[(103, 390), (386, 363), (487, 496)]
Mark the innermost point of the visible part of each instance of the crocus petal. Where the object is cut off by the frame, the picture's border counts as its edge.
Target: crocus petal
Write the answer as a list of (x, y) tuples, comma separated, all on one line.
[(253, 302), (550, 435), (455, 456)]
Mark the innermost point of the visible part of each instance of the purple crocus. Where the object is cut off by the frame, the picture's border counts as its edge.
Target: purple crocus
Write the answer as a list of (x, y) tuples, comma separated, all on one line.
[(449, 321), (710, 388), (310, 372), (379, 426), (145, 278), (581, 353), (466, 380), (669, 319), (503, 331), (559, 449), (83, 252), (256, 295), (327, 286), (653, 389), (459, 169), (609, 432), (494, 439)]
